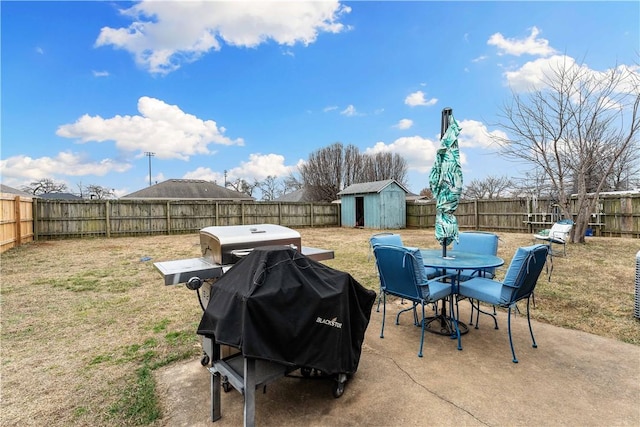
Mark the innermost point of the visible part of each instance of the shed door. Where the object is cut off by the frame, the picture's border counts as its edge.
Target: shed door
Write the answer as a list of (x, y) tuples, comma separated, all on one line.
[(359, 211)]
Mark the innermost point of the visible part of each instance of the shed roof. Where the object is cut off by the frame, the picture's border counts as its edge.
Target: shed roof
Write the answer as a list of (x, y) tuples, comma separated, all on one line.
[(370, 187), (188, 189)]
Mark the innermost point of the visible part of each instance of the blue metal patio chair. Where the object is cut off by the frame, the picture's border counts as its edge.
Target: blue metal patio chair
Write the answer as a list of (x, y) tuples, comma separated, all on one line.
[(477, 242), (518, 284), (384, 238), (402, 274), (393, 239)]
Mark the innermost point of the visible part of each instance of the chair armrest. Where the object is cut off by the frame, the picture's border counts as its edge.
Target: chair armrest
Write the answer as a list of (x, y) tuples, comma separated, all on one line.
[(437, 279), (558, 235)]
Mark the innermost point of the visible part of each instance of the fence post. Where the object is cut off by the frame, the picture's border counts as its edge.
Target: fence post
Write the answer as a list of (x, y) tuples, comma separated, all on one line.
[(279, 213), (311, 214), (476, 214), (168, 216), (18, 223), (107, 208)]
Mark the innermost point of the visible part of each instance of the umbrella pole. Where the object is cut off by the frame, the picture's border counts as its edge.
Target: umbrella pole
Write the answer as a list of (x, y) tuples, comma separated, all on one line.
[(444, 248)]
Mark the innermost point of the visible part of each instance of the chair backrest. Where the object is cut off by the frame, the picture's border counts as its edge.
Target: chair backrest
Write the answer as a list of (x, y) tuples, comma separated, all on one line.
[(523, 272), (401, 270), (561, 229), (391, 239), (384, 238), (478, 242)]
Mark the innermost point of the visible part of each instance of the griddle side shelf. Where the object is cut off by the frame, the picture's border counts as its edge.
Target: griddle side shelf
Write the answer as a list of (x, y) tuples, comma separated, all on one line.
[(245, 374)]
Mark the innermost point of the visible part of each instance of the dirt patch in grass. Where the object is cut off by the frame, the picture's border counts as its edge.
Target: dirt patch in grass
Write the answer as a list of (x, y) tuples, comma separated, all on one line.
[(84, 322)]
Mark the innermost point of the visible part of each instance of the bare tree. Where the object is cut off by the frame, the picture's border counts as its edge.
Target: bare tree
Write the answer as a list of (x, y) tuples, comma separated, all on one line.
[(270, 188), (490, 187), (322, 174), (575, 129), (625, 173), (353, 165), (426, 192), (291, 183), (44, 186), (381, 166), (534, 183), (242, 186), (333, 168), (99, 192)]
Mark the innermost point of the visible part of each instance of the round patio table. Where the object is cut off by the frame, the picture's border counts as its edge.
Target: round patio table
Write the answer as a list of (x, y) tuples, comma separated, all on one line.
[(458, 261)]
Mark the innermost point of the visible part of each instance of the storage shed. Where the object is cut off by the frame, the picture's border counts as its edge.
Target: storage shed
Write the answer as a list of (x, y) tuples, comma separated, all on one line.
[(378, 204)]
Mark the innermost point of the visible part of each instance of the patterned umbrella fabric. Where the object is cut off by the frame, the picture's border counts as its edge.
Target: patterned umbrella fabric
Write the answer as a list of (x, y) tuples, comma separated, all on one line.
[(446, 184)]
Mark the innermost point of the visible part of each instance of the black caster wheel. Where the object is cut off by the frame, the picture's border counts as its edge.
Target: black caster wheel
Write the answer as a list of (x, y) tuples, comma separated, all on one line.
[(306, 372), (205, 360), (225, 384), (338, 389)]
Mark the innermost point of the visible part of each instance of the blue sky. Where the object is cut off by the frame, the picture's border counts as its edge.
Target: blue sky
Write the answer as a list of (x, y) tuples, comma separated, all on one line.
[(253, 88)]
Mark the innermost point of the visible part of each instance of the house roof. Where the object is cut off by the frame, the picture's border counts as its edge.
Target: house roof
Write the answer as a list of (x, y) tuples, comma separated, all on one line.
[(188, 189), (59, 196), (370, 187), (301, 195), (11, 190)]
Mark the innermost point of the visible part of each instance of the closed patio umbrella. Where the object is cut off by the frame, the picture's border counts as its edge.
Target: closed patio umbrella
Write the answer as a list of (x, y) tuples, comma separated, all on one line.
[(445, 181)]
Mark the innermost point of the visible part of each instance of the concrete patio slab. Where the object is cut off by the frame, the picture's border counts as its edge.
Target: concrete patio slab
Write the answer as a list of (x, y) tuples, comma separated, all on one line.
[(571, 379)]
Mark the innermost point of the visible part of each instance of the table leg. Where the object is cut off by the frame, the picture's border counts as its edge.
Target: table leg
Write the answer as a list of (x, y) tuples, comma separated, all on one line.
[(446, 325), (443, 324)]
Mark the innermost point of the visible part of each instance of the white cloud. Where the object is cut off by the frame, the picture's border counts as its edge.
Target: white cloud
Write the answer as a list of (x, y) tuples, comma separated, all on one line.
[(404, 124), (160, 128), (475, 134), (417, 98), (330, 108), (350, 111), (530, 45), (64, 164), (39, 50), (419, 152), (205, 174), (258, 167), (532, 74), (164, 34), (100, 73)]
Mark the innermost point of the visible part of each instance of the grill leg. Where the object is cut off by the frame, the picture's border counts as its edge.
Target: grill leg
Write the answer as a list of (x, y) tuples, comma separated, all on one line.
[(215, 386), (249, 392)]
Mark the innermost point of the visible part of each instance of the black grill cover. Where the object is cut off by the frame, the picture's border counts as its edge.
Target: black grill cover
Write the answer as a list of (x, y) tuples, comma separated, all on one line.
[(276, 304)]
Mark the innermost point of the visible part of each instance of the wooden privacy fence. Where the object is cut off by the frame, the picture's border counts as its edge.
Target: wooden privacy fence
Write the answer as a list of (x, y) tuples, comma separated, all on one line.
[(25, 219), (16, 222), (111, 218), (616, 215)]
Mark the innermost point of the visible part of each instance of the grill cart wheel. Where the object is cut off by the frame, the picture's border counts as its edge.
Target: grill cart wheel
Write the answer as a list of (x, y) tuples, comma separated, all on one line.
[(205, 360), (338, 387), (306, 372), (225, 385)]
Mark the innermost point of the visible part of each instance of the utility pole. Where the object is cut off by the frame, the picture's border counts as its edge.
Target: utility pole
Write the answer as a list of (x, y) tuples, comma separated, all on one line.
[(149, 154), (225, 178)]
